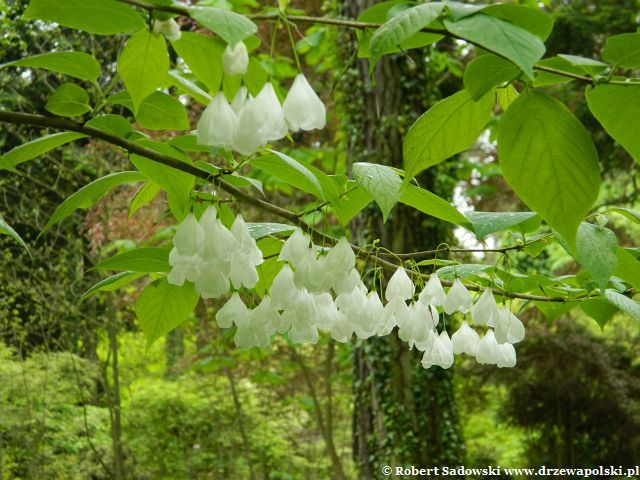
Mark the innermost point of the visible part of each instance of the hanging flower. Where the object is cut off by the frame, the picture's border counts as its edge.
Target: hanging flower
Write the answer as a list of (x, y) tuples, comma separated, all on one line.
[(414, 326), (240, 100), (296, 247), (218, 242), (248, 138), (486, 310), (465, 340), (488, 349), (272, 125), (235, 59), (212, 280), (458, 298), (433, 293), (257, 329), (234, 311), (506, 356), (341, 259), (303, 109), (218, 124), (400, 286), (439, 352), (509, 328), (169, 28), (283, 290)]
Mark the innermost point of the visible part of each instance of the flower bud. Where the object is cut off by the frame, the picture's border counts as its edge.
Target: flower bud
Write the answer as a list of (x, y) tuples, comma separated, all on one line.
[(235, 60)]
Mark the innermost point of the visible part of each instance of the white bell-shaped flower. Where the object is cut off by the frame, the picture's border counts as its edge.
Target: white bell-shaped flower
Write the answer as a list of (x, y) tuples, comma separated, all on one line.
[(326, 310), (311, 273), (273, 126), (189, 236), (212, 281), (218, 124), (259, 327), (283, 290), (465, 340), (366, 324), (218, 243), (346, 282), (169, 28), (303, 109), (440, 352), (433, 293), (486, 310), (240, 100), (296, 247), (351, 303), (458, 299), (245, 242), (488, 349), (248, 138), (235, 59), (242, 273), (184, 267), (506, 356), (303, 333), (509, 328), (400, 286), (234, 311), (341, 259), (415, 325), (341, 329)]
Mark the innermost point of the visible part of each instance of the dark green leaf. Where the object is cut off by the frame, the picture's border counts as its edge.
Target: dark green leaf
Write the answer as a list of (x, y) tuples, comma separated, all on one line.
[(623, 50), (111, 283), (433, 205), (35, 148), (140, 260), (381, 182), (74, 64), (230, 26), (596, 252), (486, 223), (69, 100), (486, 72), (6, 229)]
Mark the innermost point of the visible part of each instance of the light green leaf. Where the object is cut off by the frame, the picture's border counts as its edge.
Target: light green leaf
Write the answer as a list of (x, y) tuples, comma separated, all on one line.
[(289, 170), (598, 309), (532, 19), (161, 307), (549, 160), (351, 203), (557, 63), (596, 252), (452, 272), (486, 72), (506, 96), (553, 310), (35, 148), (187, 86), (104, 17), (486, 223), (230, 26), (628, 213), (143, 65), (69, 100), (240, 181), (587, 65), (449, 127), (88, 195), (74, 64), (502, 38), (111, 284), (628, 268), (260, 230), (203, 56), (147, 193), (113, 124), (141, 260), (617, 108), (623, 50), (381, 182), (627, 305), (159, 111), (6, 229), (433, 205)]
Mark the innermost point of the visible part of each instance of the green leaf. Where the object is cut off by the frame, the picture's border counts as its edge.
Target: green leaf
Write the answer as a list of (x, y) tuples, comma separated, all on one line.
[(600, 310), (486, 223), (449, 127), (351, 203), (627, 268), (381, 182), (628, 213), (506, 96), (203, 56), (187, 86), (532, 19), (433, 205), (104, 17), (161, 307), (617, 108), (69, 100), (452, 272), (240, 181), (553, 310), (143, 197), (143, 65), (289, 170), (486, 72), (260, 230), (230, 26), (403, 26), (113, 124), (159, 111), (557, 63), (549, 160), (596, 252), (587, 65), (111, 284), (74, 64), (35, 148), (502, 38), (6, 229), (623, 50), (141, 260), (627, 305), (88, 195)]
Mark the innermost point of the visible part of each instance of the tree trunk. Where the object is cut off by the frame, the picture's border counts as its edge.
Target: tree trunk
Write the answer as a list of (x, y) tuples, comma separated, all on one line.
[(403, 413)]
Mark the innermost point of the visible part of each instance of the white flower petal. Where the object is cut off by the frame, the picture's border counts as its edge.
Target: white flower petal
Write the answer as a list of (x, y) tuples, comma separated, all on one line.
[(400, 286), (433, 293), (218, 124), (302, 108), (486, 310), (234, 311), (235, 59), (465, 340), (458, 298)]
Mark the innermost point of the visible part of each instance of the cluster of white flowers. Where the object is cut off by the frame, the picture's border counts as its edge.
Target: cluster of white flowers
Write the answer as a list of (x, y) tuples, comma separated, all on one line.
[(247, 123)]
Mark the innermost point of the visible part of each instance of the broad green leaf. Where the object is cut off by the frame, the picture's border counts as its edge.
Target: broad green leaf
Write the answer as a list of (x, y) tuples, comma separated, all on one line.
[(69, 100), (554, 310), (240, 181), (596, 252), (111, 284), (187, 86), (403, 26), (35, 148), (587, 65), (506, 96), (628, 268), (203, 56), (256, 76), (289, 170), (486, 223), (74, 64), (159, 111), (143, 65), (617, 108), (260, 230), (147, 193), (88, 195), (532, 19), (486, 72), (161, 307), (433, 205), (6, 229), (113, 124), (188, 143), (623, 50), (600, 310), (630, 214), (452, 272), (104, 17), (141, 260), (502, 38), (627, 305), (381, 182), (351, 203), (549, 160), (449, 127), (230, 26), (555, 63)]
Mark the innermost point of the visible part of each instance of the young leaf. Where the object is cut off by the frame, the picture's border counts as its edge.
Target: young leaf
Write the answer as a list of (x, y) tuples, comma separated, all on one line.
[(35, 148), (159, 111), (88, 195), (627, 305), (143, 197), (381, 182), (449, 127), (486, 223), (596, 252), (502, 38), (351, 203), (627, 268), (285, 168), (230, 26), (104, 17), (141, 260), (623, 50), (69, 100), (143, 65), (203, 56), (486, 72), (617, 108), (111, 284), (548, 158), (6, 229), (161, 307), (628, 213), (433, 205), (74, 64), (600, 310)]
